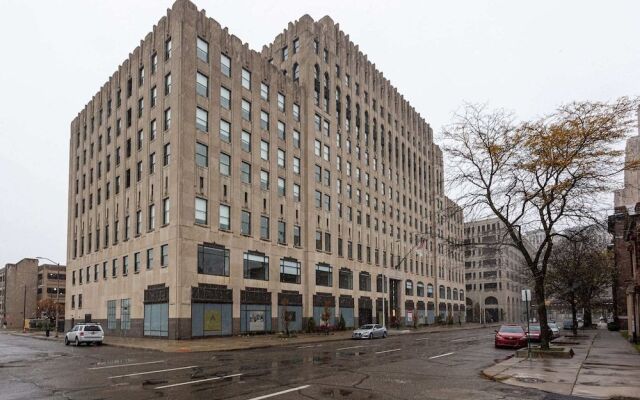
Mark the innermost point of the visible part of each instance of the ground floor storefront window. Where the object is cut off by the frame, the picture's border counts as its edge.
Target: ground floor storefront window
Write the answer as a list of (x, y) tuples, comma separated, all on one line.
[(290, 312), (156, 311), (255, 310), (211, 319), (324, 304)]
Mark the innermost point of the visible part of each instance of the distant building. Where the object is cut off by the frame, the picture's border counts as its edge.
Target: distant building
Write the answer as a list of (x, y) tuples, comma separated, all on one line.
[(495, 273), (25, 283), (629, 195)]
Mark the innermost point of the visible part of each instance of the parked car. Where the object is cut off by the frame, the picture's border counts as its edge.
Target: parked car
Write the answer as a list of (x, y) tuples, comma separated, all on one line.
[(554, 329), (510, 336), (369, 331), (85, 333), (534, 332)]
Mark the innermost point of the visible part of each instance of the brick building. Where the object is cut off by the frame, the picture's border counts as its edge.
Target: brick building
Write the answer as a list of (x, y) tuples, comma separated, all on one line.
[(214, 188), (25, 283)]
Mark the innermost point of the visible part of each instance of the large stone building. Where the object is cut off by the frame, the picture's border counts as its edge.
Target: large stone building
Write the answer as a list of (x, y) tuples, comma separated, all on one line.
[(495, 273), (215, 189), (23, 285)]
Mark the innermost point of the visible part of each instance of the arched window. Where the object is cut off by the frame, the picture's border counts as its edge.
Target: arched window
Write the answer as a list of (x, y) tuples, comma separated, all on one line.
[(408, 288), (448, 293), (420, 289), (491, 301), (443, 293), (316, 84), (364, 281), (461, 294), (429, 290), (455, 294), (296, 72)]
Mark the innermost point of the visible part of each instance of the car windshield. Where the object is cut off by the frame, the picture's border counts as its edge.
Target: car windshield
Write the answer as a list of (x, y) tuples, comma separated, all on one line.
[(552, 326), (511, 329), (92, 328), (534, 327), (366, 327)]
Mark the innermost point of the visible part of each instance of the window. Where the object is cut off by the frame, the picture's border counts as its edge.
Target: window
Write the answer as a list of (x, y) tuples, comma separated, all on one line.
[(202, 155), (166, 206), (225, 65), (167, 84), (202, 50), (202, 85), (297, 238), (317, 148), (408, 286), (138, 222), (264, 120), (149, 258), (364, 280), (317, 199), (125, 314), (264, 150), (264, 180), (296, 165), (246, 110), (152, 217), (245, 172), (420, 289), (167, 49), (296, 139), (225, 131), (154, 64), (429, 290), (327, 242), (296, 192), (114, 268), (318, 241), (164, 255), (264, 227), (296, 45), (225, 164), (153, 93), (202, 119), (296, 112), (246, 79), (201, 211), (224, 221), (281, 102), (324, 275), (285, 53), (281, 158), (245, 143), (245, 223), (281, 130), (264, 91), (152, 129), (290, 271), (111, 314), (167, 119), (225, 98), (213, 260), (345, 279), (281, 187), (136, 262), (152, 163), (282, 235), (256, 266)]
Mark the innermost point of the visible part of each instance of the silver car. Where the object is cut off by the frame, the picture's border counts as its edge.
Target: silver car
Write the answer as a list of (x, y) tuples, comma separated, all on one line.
[(554, 329), (369, 331), (85, 333)]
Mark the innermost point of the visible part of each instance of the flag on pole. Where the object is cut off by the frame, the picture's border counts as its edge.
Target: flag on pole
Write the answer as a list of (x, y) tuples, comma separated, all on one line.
[(421, 250)]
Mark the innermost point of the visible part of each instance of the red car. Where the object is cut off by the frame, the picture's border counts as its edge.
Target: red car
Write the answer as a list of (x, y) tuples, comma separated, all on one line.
[(534, 332), (510, 336)]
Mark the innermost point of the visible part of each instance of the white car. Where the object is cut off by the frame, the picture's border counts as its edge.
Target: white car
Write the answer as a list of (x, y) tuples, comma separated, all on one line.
[(85, 333), (369, 331)]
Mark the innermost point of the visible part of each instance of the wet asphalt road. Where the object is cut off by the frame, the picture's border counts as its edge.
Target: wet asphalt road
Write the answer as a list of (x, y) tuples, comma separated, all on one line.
[(412, 366)]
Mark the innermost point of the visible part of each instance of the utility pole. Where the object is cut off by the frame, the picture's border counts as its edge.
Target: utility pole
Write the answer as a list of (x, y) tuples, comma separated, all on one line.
[(24, 308)]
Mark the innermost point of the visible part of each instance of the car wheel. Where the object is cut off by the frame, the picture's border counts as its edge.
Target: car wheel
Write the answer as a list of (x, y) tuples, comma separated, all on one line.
[(384, 335), (77, 342), (66, 341)]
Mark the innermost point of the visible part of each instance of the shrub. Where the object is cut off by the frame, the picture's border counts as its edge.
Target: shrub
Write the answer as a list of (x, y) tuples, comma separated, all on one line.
[(311, 325), (342, 325)]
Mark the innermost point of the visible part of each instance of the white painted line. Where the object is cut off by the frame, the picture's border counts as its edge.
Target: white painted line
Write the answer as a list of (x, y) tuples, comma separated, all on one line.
[(347, 348), (387, 351), (441, 355), (217, 378), (464, 339), (152, 372), (128, 365), (422, 338), (266, 396), (310, 345)]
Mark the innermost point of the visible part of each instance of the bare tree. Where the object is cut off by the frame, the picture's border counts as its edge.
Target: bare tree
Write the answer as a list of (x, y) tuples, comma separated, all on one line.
[(545, 174)]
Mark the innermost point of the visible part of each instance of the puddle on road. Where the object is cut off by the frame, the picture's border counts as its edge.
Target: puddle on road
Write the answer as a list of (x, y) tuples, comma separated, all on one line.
[(154, 382)]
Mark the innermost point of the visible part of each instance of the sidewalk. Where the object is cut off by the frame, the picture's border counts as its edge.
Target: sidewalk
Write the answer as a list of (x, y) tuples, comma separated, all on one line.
[(229, 343), (604, 366)]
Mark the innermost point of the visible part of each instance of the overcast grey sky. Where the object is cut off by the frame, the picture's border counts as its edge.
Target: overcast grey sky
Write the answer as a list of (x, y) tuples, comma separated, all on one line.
[(527, 57)]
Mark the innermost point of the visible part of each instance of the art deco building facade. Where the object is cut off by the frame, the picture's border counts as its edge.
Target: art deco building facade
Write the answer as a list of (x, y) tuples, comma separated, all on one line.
[(495, 273), (215, 189)]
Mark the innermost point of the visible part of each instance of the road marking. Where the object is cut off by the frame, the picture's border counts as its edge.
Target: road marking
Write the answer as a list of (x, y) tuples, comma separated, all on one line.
[(127, 365), (347, 348), (464, 339), (217, 378), (266, 396), (387, 351), (310, 345), (441, 355), (422, 338), (152, 372)]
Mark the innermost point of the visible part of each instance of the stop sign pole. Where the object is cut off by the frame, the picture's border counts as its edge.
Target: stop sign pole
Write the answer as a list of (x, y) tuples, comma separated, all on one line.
[(526, 297)]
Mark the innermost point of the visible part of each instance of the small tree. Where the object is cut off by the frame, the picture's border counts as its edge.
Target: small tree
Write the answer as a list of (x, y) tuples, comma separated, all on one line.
[(326, 316), (287, 317), (311, 325), (540, 175), (342, 324), (48, 308)]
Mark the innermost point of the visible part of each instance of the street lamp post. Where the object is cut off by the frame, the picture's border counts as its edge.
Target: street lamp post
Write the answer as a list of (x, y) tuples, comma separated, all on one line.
[(57, 290)]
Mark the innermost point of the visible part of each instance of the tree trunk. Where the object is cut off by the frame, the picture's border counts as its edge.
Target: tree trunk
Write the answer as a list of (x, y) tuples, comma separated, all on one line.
[(574, 317), (545, 332), (588, 321)]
